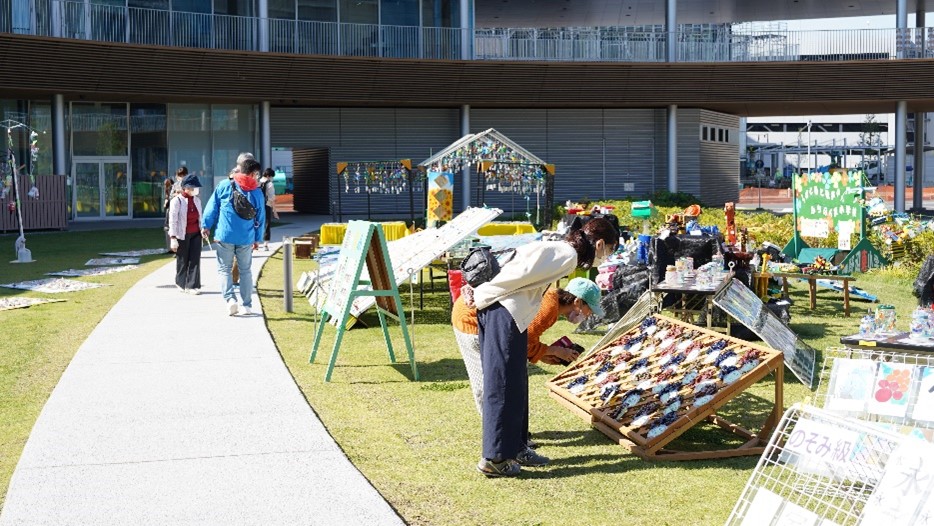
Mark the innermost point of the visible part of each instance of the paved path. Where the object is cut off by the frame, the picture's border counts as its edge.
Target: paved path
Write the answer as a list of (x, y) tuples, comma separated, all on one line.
[(174, 412)]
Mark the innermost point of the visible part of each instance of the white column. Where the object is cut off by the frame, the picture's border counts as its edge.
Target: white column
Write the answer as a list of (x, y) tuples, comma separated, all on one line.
[(265, 135), (466, 15), (263, 32), (465, 173), (901, 121), (59, 166), (917, 200), (671, 26), (672, 148)]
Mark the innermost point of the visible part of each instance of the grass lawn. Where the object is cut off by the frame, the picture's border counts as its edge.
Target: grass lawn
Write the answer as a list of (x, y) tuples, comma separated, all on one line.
[(418, 442), (39, 341)]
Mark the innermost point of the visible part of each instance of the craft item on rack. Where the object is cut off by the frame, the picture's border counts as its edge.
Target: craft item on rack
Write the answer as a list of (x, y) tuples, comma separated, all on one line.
[(53, 285), (851, 385), (890, 392), (650, 378), (924, 402), (95, 271)]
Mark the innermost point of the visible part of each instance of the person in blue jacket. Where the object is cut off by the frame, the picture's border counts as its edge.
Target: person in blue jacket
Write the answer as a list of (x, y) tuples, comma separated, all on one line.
[(236, 237)]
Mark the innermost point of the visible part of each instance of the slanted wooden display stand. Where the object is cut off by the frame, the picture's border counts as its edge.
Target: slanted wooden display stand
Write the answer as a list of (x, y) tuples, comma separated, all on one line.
[(364, 242), (661, 378)]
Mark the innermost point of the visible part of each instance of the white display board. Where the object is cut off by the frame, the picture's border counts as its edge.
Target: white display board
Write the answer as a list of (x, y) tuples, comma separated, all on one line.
[(821, 469), (410, 254)]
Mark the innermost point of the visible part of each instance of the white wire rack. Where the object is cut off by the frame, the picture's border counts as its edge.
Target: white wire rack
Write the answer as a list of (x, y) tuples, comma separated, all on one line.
[(818, 469), (851, 386)]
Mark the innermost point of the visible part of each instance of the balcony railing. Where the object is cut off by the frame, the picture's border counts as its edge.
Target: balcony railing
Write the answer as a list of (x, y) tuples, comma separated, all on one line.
[(89, 21)]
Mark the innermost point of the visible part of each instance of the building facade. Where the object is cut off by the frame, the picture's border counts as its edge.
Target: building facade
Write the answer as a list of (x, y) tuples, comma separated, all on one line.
[(123, 92)]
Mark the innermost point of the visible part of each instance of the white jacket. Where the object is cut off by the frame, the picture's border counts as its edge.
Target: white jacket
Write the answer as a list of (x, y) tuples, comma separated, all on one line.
[(178, 215), (522, 281)]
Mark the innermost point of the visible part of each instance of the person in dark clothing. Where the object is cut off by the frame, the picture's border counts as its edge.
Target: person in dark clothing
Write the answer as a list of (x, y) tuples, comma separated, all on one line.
[(185, 235)]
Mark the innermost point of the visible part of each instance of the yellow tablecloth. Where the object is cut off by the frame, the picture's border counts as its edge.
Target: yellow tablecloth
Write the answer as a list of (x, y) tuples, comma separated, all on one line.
[(333, 233), (506, 228)]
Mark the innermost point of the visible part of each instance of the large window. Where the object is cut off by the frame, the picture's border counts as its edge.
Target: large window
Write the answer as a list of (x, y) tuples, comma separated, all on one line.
[(189, 137), (399, 12), (234, 131), (441, 13), (317, 10), (148, 158), (99, 129), (359, 11)]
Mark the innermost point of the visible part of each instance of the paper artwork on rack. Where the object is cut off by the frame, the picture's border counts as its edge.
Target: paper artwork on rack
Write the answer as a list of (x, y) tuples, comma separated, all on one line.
[(136, 253), (851, 384), (814, 227), (96, 271), (890, 390), (112, 261), (924, 400), (16, 302), (52, 285), (763, 507), (899, 498), (794, 515)]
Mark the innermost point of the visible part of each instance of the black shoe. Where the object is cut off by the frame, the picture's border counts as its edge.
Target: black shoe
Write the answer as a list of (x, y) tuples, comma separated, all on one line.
[(530, 458), (531, 443), (506, 468)]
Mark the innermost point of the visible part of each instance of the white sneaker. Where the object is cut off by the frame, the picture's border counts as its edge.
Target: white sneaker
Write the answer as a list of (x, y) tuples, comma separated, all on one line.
[(193, 292), (179, 288), (246, 311), (232, 307)]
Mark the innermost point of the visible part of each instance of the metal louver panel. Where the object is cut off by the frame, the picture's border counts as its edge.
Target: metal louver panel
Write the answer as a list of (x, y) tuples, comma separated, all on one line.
[(719, 171)]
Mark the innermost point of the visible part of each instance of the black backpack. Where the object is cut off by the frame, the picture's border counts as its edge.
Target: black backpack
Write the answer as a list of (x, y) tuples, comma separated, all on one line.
[(481, 264), (241, 203)]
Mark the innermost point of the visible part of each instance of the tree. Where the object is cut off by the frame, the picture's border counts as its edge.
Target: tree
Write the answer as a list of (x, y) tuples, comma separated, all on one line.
[(870, 138)]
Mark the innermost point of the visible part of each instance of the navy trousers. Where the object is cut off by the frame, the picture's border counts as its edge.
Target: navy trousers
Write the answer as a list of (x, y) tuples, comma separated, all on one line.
[(503, 351)]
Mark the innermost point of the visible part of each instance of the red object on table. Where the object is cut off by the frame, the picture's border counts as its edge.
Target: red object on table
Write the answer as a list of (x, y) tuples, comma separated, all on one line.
[(455, 283)]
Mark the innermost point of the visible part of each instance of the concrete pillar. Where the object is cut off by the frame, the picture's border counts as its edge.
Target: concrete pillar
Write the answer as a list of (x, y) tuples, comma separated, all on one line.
[(672, 148), (917, 200), (901, 23), (901, 121), (59, 163), (671, 26), (466, 15), (263, 32), (465, 173), (265, 135)]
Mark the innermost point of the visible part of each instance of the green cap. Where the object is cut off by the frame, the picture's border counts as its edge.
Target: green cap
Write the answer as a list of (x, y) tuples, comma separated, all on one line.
[(588, 291)]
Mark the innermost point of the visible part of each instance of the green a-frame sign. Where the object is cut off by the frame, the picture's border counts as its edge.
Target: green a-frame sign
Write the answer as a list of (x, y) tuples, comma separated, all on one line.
[(364, 242)]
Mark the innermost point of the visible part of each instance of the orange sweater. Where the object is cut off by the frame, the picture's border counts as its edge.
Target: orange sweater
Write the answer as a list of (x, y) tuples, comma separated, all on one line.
[(464, 319)]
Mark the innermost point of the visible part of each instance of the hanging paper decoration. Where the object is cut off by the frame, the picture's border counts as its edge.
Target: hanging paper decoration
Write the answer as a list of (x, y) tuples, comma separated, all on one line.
[(440, 196), (379, 177)]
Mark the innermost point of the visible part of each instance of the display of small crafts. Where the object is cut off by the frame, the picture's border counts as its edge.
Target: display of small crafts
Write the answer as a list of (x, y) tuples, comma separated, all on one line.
[(820, 265), (504, 169), (380, 177), (656, 373)]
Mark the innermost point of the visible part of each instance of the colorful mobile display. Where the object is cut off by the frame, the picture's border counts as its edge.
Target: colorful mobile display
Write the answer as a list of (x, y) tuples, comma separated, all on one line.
[(851, 385), (661, 375), (890, 391), (924, 401)]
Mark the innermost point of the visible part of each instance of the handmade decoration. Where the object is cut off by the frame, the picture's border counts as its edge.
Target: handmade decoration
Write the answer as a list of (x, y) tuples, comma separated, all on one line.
[(112, 261), (52, 285), (17, 302), (393, 177), (96, 271), (890, 393), (924, 401), (851, 385), (661, 377), (23, 255)]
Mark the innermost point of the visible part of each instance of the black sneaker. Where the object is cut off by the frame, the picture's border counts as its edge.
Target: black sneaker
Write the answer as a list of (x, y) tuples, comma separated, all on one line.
[(506, 468), (530, 442), (531, 459)]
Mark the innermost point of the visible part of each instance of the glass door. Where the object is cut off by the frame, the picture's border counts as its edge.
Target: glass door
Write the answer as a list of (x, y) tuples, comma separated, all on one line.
[(101, 188)]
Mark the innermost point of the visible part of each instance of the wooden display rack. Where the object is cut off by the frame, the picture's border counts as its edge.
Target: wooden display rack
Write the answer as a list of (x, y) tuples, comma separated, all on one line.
[(639, 437)]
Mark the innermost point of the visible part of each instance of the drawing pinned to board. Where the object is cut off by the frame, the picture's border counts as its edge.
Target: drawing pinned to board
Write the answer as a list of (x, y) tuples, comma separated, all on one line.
[(890, 395), (795, 515), (924, 401), (763, 507), (851, 385)]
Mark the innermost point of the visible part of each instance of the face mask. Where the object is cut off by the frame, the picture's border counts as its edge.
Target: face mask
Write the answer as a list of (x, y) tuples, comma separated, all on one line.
[(598, 260), (576, 317), (193, 191)]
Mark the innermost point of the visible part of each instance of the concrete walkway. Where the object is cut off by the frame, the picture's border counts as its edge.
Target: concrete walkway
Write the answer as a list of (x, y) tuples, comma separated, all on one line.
[(174, 412)]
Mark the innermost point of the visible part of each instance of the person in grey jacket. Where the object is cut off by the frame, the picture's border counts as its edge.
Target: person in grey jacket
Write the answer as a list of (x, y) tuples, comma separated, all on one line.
[(185, 234)]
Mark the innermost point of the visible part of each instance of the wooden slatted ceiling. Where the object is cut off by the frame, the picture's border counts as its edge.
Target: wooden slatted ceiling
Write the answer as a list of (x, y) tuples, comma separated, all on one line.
[(96, 70)]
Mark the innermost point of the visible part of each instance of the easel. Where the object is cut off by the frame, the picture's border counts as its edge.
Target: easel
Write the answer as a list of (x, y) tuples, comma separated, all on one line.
[(363, 242)]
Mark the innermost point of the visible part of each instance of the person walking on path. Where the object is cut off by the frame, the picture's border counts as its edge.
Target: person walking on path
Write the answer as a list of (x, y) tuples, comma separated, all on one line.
[(171, 187), (185, 235), (269, 191), (236, 236), (506, 306)]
